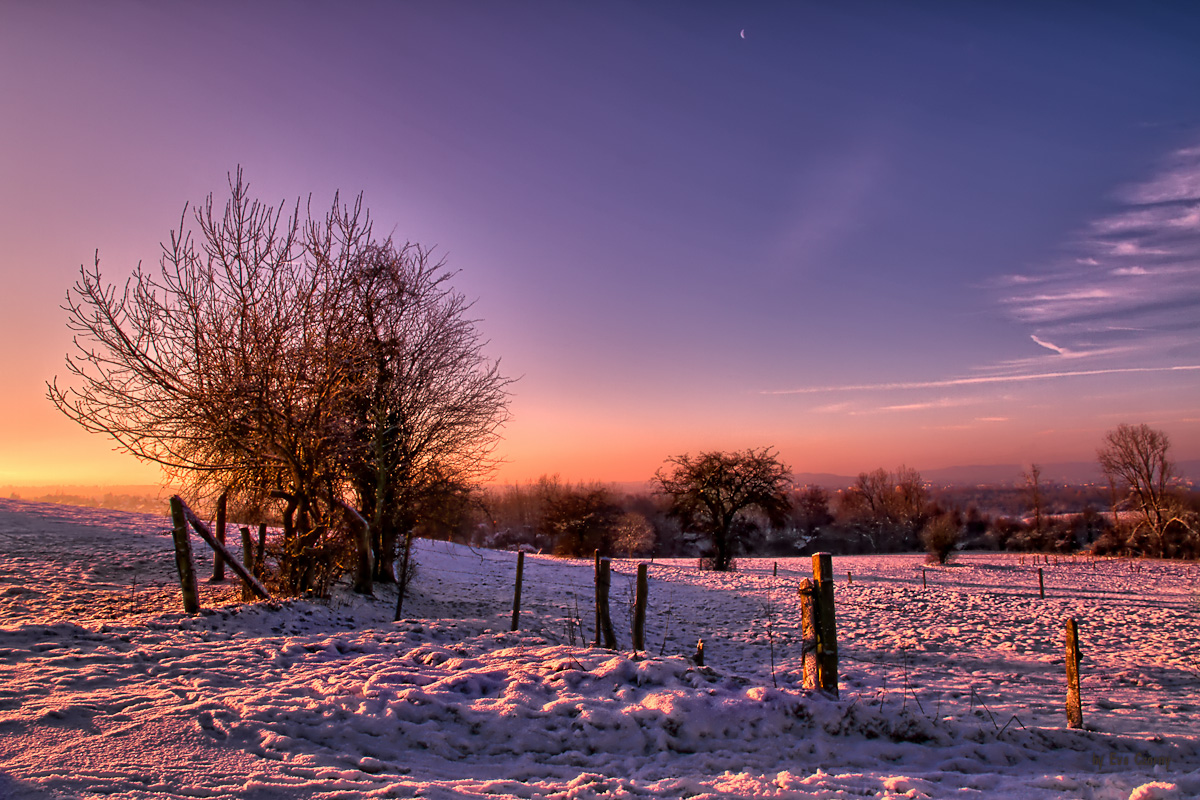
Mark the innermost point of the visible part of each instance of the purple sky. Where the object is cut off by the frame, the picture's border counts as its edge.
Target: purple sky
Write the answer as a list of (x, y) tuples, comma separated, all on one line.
[(865, 233)]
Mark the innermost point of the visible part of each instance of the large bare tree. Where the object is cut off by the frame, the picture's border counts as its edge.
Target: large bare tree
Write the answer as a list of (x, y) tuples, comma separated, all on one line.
[(1134, 457), (244, 363), (714, 490)]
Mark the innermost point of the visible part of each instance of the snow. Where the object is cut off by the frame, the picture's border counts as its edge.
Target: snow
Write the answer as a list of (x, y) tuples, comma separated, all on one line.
[(957, 690)]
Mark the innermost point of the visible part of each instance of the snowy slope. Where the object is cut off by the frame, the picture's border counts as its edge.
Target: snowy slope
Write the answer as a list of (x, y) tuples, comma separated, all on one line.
[(955, 690)]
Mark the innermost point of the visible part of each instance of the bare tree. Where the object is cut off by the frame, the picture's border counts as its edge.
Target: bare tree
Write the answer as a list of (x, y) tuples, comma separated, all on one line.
[(582, 519), (1135, 457), (714, 490), (812, 510), (432, 404), (887, 508), (240, 363)]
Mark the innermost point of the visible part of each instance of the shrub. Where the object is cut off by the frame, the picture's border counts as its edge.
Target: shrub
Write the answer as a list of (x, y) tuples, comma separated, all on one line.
[(939, 537)]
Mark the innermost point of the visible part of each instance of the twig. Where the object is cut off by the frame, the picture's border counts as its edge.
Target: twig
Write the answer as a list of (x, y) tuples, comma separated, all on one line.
[(985, 708), (1010, 722)]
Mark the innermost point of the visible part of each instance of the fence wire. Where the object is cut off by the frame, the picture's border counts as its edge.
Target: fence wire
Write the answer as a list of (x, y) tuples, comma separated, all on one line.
[(959, 679)]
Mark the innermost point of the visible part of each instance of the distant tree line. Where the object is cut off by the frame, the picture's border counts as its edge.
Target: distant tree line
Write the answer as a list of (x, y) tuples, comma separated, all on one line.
[(1144, 510)]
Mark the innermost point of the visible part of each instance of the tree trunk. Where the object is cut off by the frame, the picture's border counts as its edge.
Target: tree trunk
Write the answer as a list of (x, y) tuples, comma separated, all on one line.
[(385, 558)]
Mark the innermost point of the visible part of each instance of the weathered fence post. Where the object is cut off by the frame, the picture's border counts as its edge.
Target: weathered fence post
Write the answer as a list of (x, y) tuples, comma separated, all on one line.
[(827, 655), (923, 584), (1074, 707), (183, 558), (810, 634), (849, 578), (218, 562), (517, 591), (1041, 584), (775, 569), (604, 621), (247, 562), (698, 658), (199, 527), (639, 607), (596, 578)]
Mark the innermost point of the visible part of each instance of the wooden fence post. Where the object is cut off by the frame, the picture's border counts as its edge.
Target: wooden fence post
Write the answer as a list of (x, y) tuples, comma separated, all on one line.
[(639, 608), (923, 584), (183, 558), (827, 654), (1074, 706), (218, 575), (698, 658), (596, 574), (849, 578), (1041, 584), (199, 527), (811, 634), (603, 578), (517, 591), (247, 562)]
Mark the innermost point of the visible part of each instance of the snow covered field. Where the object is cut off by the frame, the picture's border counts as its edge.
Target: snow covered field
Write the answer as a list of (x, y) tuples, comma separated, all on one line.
[(954, 690)]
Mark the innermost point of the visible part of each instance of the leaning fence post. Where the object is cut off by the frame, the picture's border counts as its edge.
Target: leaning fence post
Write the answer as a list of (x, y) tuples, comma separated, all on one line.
[(1074, 707), (517, 591), (827, 654), (183, 558), (199, 527), (639, 608), (218, 562), (603, 579)]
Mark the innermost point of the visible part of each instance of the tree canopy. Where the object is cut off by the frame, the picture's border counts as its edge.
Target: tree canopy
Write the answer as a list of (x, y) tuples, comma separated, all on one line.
[(713, 491)]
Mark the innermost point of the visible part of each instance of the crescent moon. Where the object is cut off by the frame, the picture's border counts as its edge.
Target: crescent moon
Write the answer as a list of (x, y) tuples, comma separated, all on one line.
[(743, 33)]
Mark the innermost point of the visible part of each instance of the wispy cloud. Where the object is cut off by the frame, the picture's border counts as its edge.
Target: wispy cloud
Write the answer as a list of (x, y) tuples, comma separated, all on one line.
[(941, 402), (1133, 277), (1050, 346), (979, 380)]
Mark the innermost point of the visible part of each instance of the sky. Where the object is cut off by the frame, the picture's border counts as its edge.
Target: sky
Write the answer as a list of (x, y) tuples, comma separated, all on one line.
[(864, 234)]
